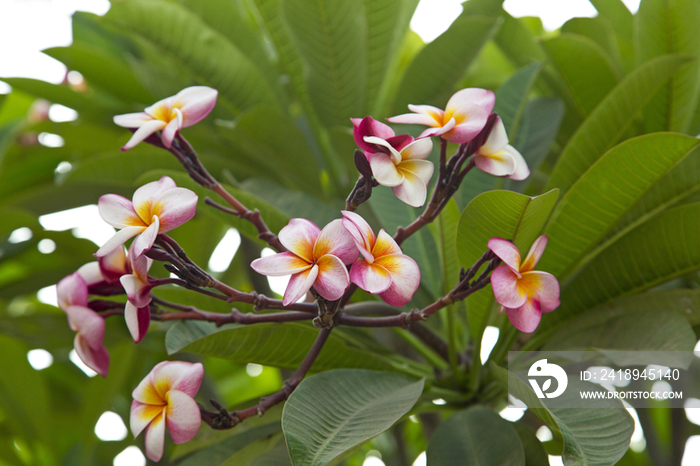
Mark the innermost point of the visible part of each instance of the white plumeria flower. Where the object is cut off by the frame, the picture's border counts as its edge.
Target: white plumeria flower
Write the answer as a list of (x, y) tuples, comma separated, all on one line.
[(496, 157)]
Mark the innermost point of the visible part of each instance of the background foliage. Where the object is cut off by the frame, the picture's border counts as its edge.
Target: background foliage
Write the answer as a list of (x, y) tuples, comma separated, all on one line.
[(602, 110)]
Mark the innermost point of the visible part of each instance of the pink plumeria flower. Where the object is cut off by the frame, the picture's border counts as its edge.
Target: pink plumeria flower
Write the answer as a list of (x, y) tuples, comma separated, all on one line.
[(401, 165), (170, 115), (102, 276), (157, 207), (522, 291), (315, 258), (165, 398), (72, 293), (137, 313), (383, 269), (497, 157), (463, 118), (368, 126)]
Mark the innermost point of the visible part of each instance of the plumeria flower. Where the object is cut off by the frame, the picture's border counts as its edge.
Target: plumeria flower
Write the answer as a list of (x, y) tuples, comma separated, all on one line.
[(165, 398), (463, 118), (102, 276), (315, 258), (72, 296), (170, 115), (157, 207), (137, 312), (522, 291), (368, 126), (497, 157), (383, 269)]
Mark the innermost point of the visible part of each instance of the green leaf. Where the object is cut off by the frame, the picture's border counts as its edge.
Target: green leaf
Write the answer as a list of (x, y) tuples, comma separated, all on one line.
[(540, 125), (587, 70), (279, 345), (475, 437), (664, 27), (609, 121), (346, 407), (592, 436), (208, 56), (535, 454), (331, 38), (598, 30), (663, 248), (503, 214), (605, 193), (432, 75), (222, 451), (511, 96)]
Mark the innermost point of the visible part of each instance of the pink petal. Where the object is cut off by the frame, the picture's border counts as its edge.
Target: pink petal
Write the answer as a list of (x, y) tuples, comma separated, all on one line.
[(96, 359), (416, 119), (179, 375), (143, 132), (174, 207), (393, 153), (422, 168), (284, 263), (137, 320), (335, 239), (155, 438), (521, 169), (299, 285), (332, 279), (145, 392), (498, 164), (507, 252), (196, 103), (430, 132), (534, 254), (437, 114), (497, 140), (172, 128), (91, 273), (141, 415), (412, 191), (419, 149), (482, 97), (118, 240), (145, 197), (132, 120), (385, 245), (299, 236), (368, 126), (118, 211), (145, 240), (370, 277), (72, 291), (544, 288), (527, 317), (182, 416), (506, 289), (88, 324), (361, 233), (468, 124), (114, 265), (139, 265), (385, 171), (405, 278), (400, 142), (136, 289)]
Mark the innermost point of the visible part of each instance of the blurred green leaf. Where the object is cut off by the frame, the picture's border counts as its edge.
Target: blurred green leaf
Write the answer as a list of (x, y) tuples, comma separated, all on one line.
[(511, 97), (540, 124), (221, 452), (535, 454)]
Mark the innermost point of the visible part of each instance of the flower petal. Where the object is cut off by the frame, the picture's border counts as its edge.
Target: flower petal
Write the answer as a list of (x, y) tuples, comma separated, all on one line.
[(521, 169), (137, 320), (419, 149), (405, 278), (400, 142), (472, 95), (118, 211), (299, 285), (96, 359), (174, 207), (498, 164), (172, 128), (335, 239), (527, 317), (430, 132), (393, 153), (88, 323), (178, 375), (132, 120), (423, 115), (507, 252), (196, 103), (332, 279), (141, 415), (145, 240), (497, 140), (361, 233), (422, 168), (544, 287), (118, 240), (284, 263), (468, 124), (534, 254), (384, 170), (145, 392), (413, 190), (182, 416), (299, 236), (146, 196), (506, 289), (385, 245), (137, 290), (72, 291), (368, 126), (91, 273), (155, 438), (370, 277), (143, 132)]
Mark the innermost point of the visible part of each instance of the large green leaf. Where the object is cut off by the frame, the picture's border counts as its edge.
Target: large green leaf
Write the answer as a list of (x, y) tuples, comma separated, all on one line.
[(279, 345), (605, 193), (600, 31), (207, 55), (433, 73), (663, 248), (221, 452), (592, 436), (504, 214), (587, 70), (346, 407), (535, 454), (610, 119), (475, 437), (331, 38), (664, 27), (540, 125), (511, 97)]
